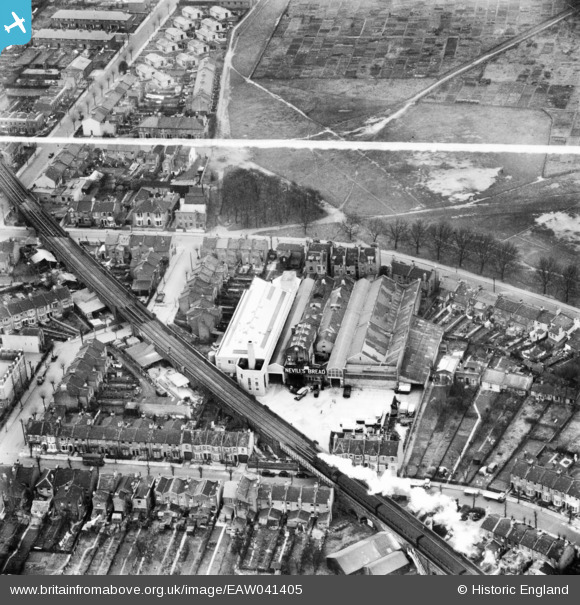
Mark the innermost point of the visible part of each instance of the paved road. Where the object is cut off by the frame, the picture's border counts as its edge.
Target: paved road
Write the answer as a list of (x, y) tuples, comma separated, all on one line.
[(94, 94), (546, 520), (478, 280), (193, 240)]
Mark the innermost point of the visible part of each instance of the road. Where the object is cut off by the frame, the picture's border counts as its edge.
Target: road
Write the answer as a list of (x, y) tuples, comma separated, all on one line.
[(375, 125), (91, 97), (199, 370), (485, 282), (549, 521)]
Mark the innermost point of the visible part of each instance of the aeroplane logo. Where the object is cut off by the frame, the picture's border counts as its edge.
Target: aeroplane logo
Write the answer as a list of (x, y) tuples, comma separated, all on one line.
[(18, 22), (15, 22)]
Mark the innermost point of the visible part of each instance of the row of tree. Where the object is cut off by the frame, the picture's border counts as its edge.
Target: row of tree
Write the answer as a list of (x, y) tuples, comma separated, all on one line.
[(251, 198), (464, 244)]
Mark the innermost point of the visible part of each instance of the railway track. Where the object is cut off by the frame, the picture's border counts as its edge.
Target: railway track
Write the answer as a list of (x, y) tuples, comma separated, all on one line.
[(176, 349)]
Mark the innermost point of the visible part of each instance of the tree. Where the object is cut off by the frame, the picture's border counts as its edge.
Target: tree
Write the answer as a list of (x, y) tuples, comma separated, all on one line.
[(461, 240), (546, 271), (397, 231), (376, 227), (569, 281), (308, 204), (482, 246), (440, 234), (417, 233), (350, 225), (505, 259)]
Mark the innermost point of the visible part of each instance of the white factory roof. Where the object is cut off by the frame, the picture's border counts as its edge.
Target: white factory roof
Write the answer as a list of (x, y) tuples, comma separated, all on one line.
[(91, 15), (259, 318), (73, 34)]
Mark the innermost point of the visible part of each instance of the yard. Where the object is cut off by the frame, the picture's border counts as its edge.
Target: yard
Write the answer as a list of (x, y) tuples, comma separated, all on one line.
[(440, 423)]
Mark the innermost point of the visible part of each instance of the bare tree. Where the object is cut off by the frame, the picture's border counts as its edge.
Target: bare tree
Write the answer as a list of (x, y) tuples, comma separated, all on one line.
[(350, 226), (505, 258), (440, 234), (417, 233), (397, 231), (482, 246), (376, 227), (307, 203), (461, 240), (546, 270), (570, 278)]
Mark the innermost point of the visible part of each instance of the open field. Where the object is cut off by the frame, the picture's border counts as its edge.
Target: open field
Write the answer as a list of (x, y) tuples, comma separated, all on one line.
[(429, 122)]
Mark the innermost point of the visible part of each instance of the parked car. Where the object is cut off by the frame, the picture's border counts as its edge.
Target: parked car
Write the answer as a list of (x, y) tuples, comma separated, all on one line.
[(302, 475), (347, 391), (301, 393), (283, 474), (267, 474)]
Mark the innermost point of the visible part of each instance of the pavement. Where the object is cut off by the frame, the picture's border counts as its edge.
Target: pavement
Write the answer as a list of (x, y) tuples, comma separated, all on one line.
[(12, 444), (542, 518), (93, 95)]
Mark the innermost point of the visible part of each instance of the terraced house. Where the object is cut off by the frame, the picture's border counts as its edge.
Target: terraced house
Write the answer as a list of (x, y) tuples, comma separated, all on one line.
[(39, 307), (140, 439), (552, 486)]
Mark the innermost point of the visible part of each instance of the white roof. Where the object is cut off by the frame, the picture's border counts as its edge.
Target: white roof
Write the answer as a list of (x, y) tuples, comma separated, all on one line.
[(91, 15), (87, 301), (79, 63), (199, 208), (448, 363), (259, 318), (73, 34), (43, 255)]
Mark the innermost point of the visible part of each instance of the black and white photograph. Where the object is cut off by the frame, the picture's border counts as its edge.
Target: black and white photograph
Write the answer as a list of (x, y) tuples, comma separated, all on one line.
[(290, 288)]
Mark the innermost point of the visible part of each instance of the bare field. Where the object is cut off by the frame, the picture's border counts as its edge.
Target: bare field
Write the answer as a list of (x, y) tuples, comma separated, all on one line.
[(342, 104), (255, 33), (255, 114), (448, 123)]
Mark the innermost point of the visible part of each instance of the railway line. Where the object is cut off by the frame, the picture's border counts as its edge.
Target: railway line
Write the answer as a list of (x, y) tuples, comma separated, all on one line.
[(176, 349)]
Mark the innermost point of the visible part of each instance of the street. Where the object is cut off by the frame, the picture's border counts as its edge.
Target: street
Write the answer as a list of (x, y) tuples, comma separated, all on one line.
[(91, 97), (549, 521)]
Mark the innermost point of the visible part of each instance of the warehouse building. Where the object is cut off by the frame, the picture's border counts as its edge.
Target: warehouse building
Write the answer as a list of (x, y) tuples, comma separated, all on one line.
[(373, 339), (249, 342)]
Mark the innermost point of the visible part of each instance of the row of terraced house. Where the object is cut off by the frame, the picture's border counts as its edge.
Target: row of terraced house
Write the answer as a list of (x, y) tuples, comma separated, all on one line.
[(552, 486), (141, 439), (39, 307)]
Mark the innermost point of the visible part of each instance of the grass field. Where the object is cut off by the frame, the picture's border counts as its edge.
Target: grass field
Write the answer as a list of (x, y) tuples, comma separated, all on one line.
[(429, 122)]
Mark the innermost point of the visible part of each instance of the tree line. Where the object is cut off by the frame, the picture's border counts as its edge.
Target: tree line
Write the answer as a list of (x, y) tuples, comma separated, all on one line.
[(463, 244), (251, 198)]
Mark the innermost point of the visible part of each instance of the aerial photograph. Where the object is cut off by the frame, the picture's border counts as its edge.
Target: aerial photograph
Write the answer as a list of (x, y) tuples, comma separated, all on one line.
[(262, 315)]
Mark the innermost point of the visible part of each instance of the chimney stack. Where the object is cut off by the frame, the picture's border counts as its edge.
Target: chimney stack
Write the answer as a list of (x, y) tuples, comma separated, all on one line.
[(251, 356)]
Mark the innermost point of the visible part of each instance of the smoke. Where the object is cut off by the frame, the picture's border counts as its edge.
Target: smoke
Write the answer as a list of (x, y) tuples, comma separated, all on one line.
[(464, 535)]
